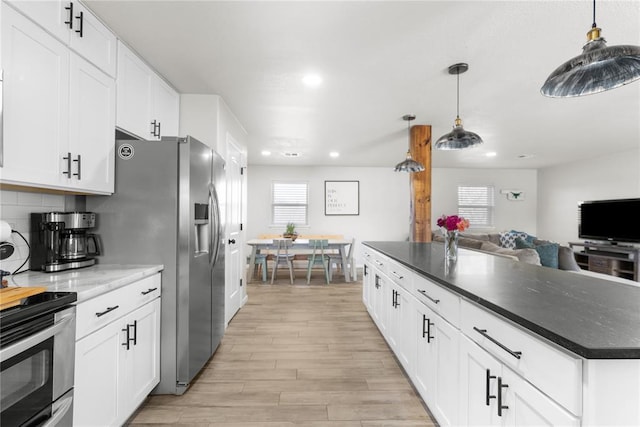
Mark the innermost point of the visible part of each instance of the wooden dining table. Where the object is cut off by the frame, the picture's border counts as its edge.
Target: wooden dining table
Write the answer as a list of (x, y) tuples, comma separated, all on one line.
[(340, 245)]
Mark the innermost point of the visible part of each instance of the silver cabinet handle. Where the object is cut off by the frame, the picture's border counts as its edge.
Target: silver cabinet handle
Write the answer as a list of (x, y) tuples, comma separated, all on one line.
[(68, 171), (398, 276)]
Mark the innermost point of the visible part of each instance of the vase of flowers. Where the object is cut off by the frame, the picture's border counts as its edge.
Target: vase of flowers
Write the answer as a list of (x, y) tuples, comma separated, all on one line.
[(452, 225)]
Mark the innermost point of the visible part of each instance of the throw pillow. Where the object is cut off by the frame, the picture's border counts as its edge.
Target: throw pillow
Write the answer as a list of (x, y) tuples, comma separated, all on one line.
[(529, 237), (508, 239), (528, 256), (523, 244), (566, 259), (548, 254)]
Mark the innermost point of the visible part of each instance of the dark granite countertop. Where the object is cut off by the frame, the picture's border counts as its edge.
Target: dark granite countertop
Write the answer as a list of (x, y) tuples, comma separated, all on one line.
[(594, 318)]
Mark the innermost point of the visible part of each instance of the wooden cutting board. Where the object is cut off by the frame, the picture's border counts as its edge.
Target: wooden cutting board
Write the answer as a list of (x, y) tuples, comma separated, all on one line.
[(12, 296)]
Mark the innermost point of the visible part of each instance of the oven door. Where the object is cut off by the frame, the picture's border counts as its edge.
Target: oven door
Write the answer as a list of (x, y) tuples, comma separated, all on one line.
[(36, 369)]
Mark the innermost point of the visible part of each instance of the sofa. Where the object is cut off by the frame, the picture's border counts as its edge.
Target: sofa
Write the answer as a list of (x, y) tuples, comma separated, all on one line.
[(518, 245)]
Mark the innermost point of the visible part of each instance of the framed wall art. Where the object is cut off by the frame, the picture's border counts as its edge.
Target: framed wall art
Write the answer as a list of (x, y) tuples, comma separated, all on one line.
[(342, 197)]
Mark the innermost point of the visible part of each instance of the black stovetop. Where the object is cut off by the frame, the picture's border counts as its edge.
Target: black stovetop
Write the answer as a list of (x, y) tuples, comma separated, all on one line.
[(35, 306)]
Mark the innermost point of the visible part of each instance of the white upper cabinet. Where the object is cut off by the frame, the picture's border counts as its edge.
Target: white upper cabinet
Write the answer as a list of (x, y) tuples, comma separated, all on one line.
[(59, 113), (147, 106), (74, 25)]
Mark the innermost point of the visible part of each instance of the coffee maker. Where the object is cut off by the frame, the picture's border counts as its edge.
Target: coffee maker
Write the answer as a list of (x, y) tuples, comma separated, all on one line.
[(61, 240)]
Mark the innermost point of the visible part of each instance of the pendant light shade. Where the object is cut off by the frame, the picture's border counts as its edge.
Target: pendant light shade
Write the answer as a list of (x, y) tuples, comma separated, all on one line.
[(408, 164), (458, 138), (598, 69)]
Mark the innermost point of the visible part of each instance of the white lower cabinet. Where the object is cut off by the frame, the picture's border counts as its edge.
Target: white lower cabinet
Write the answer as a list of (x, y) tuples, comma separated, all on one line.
[(436, 367), (496, 395), (118, 361), (401, 328)]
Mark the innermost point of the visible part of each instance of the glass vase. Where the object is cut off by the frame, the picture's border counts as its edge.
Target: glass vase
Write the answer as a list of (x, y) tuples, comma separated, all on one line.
[(451, 245)]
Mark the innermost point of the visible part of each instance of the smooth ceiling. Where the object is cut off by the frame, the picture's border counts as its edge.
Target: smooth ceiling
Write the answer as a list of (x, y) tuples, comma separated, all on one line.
[(380, 60)]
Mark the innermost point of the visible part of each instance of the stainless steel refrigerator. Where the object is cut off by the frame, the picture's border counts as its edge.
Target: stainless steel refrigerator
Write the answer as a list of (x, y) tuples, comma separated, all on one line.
[(166, 210)]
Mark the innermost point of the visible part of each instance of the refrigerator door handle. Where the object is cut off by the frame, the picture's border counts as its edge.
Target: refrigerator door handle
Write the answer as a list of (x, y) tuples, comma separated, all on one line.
[(215, 224)]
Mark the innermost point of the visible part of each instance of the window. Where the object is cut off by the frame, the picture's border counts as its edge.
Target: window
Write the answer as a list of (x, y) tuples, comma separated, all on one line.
[(289, 202), (475, 203)]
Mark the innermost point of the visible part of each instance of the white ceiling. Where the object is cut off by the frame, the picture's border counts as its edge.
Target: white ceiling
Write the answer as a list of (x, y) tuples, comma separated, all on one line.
[(380, 60)]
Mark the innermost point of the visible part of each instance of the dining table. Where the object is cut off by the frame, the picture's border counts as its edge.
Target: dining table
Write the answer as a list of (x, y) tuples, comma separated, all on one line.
[(301, 244)]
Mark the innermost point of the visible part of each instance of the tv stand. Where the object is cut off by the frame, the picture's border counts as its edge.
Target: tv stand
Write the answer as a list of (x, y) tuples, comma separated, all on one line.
[(612, 259)]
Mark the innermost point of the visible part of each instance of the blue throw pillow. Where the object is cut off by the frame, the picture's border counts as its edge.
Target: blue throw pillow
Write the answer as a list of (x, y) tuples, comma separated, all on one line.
[(524, 244), (548, 254)]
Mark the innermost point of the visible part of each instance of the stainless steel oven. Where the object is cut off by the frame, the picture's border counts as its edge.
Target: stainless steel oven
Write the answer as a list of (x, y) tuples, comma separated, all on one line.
[(37, 349)]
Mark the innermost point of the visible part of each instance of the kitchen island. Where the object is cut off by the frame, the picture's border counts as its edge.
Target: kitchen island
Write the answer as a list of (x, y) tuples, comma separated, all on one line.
[(533, 343)]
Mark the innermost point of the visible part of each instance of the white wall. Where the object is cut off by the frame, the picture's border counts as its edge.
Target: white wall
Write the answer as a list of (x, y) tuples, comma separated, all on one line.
[(384, 202), (508, 215), (561, 188)]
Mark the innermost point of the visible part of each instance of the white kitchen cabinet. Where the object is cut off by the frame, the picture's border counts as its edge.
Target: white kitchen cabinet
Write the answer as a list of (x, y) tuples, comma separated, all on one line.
[(58, 113), (437, 368), (117, 353), (367, 282), (75, 26), (401, 327), (147, 106), (495, 395)]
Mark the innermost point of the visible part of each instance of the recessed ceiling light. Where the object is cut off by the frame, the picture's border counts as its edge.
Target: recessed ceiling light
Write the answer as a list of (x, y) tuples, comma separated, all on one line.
[(290, 154), (266, 152), (334, 154), (491, 154), (312, 80), (526, 156)]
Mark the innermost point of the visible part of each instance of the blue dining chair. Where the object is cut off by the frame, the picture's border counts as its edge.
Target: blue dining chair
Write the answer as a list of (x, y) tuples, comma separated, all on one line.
[(318, 257), (282, 256)]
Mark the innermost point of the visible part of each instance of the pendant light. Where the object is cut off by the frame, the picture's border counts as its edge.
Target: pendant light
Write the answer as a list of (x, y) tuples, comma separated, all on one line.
[(408, 164), (458, 138), (598, 69)]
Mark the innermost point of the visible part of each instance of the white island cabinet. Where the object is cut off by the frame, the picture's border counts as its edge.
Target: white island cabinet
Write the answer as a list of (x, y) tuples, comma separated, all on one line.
[(59, 108), (473, 366), (117, 353)]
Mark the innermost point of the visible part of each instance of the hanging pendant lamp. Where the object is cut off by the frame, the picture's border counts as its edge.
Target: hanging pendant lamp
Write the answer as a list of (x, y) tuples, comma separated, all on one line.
[(598, 69), (458, 138), (408, 164)]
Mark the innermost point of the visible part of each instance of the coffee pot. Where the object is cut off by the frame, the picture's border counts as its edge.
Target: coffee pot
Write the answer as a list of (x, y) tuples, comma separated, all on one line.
[(77, 244)]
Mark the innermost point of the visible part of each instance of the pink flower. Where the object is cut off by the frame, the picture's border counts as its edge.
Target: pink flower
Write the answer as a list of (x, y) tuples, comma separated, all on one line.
[(453, 222)]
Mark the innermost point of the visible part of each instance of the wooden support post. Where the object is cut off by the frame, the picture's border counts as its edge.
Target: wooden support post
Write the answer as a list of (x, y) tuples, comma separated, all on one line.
[(421, 184)]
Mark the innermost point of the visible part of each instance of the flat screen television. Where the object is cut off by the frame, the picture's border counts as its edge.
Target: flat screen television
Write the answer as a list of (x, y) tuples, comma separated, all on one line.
[(610, 220)]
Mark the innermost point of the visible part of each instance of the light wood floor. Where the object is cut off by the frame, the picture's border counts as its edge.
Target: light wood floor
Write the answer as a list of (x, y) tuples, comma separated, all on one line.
[(301, 355)]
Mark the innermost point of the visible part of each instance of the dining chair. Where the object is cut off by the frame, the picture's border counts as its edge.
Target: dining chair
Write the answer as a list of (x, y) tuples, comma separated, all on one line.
[(318, 257), (336, 259), (282, 256), (261, 265)]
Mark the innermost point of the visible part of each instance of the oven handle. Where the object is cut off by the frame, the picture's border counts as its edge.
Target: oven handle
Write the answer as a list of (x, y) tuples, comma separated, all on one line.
[(61, 411), (27, 343)]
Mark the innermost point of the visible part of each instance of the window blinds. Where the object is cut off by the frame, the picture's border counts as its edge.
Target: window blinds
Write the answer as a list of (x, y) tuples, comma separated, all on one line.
[(289, 202), (475, 203)]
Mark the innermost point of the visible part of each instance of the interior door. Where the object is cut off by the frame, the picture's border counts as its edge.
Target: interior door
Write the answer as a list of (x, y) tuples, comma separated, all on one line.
[(234, 254)]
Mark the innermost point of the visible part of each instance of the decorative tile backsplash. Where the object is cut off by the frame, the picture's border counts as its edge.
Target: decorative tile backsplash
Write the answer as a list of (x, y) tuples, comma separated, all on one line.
[(15, 208)]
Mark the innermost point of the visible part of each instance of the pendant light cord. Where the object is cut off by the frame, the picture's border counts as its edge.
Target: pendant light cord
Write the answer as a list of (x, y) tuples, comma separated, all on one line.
[(594, 15), (458, 94)]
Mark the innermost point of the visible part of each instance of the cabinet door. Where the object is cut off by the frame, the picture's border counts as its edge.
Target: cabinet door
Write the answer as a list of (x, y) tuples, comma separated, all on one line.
[(94, 41), (133, 94), (479, 373), (436, 367), (97, 377), (367, 284), (524, 405), (55, 16), (36, 102), (166, 108), (404, 329), (141, 364), (91, 124)]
